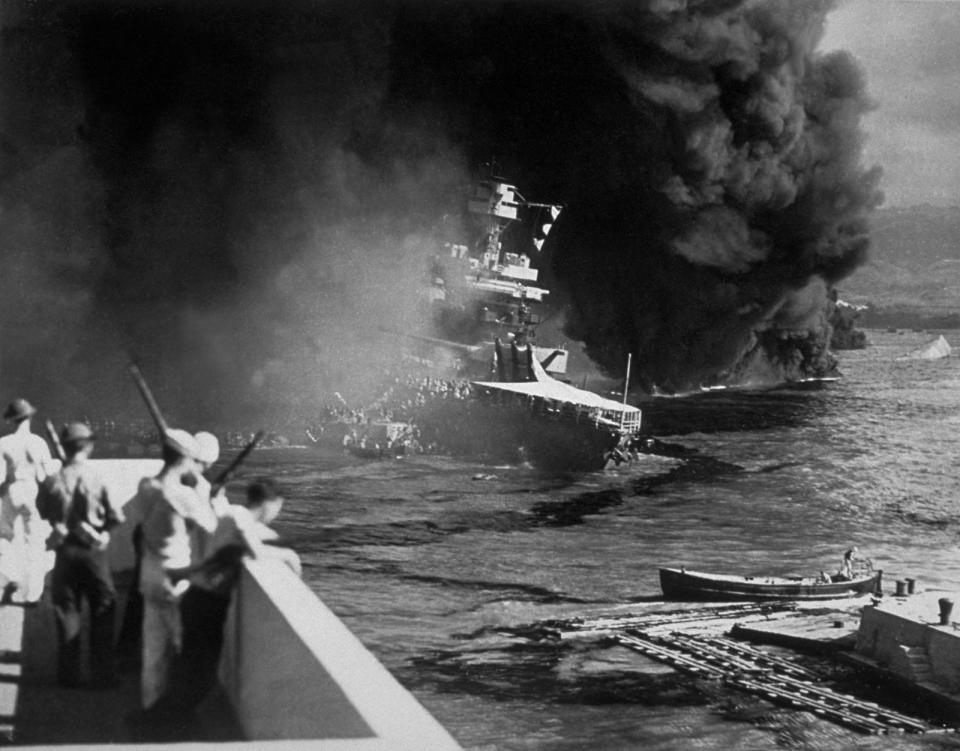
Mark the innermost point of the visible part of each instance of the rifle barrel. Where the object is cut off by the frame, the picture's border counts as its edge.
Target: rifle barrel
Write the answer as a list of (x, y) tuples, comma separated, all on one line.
[(227, 473), (148, 398), (55, 440)]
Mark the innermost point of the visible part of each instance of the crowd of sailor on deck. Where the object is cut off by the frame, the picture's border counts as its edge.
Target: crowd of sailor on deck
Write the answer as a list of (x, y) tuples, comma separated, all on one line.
[(190, 540), (402, 402)]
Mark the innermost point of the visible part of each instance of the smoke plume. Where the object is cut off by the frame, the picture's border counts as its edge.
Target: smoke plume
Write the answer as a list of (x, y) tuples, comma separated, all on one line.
[(241, 195)]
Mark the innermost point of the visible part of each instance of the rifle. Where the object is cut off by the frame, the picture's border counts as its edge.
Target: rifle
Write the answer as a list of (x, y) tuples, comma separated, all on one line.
[(148, 398), (55, 441), (224, 477)]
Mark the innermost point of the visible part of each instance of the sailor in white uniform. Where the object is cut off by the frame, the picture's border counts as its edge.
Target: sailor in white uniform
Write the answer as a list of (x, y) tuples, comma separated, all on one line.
[(167, 509), (26, 459)]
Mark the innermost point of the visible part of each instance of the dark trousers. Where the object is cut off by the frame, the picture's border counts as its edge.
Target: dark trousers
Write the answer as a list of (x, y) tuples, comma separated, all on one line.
[(194, 671), (129, 643), (81, 572)]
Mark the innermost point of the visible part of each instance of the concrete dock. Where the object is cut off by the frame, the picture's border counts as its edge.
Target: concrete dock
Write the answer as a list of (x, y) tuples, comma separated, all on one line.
[(707, 641), (906, 642), (823, 632), (292, 675)]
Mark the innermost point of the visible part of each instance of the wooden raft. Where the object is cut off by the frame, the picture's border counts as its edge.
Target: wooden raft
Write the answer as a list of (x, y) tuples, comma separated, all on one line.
[(776, 679), (701, 616)]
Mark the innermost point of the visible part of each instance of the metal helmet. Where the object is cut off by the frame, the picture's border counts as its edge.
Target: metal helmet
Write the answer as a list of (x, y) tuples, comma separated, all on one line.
[(19, 409), (75, 432)]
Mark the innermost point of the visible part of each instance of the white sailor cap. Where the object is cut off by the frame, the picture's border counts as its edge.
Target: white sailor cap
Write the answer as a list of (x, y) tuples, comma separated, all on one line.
[(181, 442), (208, 447)]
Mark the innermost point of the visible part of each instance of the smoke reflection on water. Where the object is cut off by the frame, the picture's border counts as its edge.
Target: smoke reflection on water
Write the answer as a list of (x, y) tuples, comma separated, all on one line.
[(428, 560)]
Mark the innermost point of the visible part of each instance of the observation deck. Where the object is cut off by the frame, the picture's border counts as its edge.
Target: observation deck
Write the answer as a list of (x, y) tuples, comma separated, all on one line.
[(291, 674)]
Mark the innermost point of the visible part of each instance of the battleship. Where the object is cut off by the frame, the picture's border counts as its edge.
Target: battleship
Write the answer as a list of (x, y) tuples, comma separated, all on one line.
[(484, 386), (487, 288)]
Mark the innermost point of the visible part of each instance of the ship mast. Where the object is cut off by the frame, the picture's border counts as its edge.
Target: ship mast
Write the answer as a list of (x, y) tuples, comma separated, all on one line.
[(626, 387)]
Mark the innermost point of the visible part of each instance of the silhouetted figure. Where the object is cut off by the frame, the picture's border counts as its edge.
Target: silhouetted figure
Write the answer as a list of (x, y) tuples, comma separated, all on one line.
[(77, 504)]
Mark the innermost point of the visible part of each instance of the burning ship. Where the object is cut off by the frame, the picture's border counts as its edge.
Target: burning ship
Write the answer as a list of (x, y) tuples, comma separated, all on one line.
[(485, 301), (481, 291)]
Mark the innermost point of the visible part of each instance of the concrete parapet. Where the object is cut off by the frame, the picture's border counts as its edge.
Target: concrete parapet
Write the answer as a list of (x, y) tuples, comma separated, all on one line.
[(292, 670), (295, 676)]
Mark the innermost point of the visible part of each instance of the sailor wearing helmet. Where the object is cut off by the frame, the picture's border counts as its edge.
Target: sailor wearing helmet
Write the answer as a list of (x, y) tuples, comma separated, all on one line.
[(26, 461), (167, 507), (77, 504)]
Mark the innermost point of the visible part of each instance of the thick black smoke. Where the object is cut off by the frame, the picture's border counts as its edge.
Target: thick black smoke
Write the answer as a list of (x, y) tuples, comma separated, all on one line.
[(241, 194), (708, 156)]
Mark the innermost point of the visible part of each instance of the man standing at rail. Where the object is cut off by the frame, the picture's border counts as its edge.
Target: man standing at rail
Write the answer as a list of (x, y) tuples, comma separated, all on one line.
[(77, 504), (26, 459), (241, 531), (167, 509)]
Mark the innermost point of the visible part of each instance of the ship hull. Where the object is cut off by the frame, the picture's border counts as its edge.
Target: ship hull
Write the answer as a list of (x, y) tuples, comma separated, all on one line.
[(555, 443), (504, 431)]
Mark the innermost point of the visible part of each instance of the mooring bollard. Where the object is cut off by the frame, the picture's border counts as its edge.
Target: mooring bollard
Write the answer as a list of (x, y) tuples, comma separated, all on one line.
[(946, 608), (911, 585), (901, 588)]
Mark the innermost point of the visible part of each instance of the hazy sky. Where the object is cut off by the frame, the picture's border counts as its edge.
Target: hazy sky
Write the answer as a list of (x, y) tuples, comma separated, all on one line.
[(910, 50)]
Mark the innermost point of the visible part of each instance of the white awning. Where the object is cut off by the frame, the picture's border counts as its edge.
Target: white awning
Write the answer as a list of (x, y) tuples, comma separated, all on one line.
[(547, 387)]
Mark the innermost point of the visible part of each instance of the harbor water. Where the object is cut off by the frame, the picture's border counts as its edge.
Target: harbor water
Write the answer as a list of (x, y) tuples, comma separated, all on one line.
[(432, 561)]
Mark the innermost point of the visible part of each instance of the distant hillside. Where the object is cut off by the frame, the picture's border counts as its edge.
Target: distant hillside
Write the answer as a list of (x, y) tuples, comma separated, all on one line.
[(913, 276)]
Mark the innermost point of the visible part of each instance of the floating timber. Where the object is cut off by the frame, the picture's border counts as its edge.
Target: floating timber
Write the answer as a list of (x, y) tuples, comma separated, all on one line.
[(699, 641), (699, 617), (776, 679), (807, 633)]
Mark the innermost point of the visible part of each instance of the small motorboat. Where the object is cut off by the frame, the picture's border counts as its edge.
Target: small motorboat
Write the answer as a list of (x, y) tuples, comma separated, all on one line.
[(680, 584)]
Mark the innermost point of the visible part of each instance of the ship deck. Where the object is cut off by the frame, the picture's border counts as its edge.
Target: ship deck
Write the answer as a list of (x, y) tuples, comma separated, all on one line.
[(34, 710), (292, 677), (291, 674)]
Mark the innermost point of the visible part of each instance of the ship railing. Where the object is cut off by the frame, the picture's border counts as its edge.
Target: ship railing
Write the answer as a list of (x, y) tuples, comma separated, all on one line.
[(630, 421), (619, 420), (561, 410)]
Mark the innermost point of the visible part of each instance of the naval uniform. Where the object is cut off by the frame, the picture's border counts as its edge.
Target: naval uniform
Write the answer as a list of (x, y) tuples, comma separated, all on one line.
[(204, 608), (23, 533), (77, 503), (166, 511)]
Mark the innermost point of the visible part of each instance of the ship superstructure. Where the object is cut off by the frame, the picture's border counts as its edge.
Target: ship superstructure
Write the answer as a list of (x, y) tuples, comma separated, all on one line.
[(488, 286), (479, 384)]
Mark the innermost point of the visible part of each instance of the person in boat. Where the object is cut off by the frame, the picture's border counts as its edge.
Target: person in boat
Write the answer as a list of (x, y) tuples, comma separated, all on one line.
[(77, 504), (26, 461), (847, 565)]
